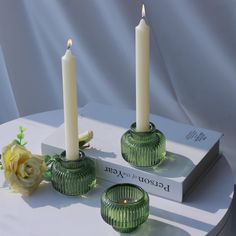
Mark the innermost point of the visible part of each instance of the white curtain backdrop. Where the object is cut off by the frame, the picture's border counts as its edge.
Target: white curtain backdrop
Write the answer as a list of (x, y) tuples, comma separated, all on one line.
[(193, 58)]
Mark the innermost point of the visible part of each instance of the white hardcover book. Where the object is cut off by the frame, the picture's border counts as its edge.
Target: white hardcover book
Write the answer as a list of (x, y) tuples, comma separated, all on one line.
[(191, 151)]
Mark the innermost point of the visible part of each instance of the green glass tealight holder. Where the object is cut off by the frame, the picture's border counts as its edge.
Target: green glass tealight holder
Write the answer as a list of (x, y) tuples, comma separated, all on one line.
[(143, 149), (73, 177), (125, 207)]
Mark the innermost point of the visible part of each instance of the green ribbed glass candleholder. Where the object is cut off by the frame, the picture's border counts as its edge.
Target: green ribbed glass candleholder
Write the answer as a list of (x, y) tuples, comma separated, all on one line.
[(143, 149), (73, 177), (125, 207)]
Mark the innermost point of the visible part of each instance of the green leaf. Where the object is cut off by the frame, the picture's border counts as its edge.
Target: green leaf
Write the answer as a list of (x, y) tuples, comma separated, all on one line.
[(19, 136), (47, 175), (1, 166), (47, 158), (17, 141), (22, 129)]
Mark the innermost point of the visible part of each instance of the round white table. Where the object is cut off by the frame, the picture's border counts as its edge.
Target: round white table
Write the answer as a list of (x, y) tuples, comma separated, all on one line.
[(205, 212)]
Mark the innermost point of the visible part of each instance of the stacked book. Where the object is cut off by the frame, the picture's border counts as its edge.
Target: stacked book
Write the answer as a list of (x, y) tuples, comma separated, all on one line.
[(191, 151)]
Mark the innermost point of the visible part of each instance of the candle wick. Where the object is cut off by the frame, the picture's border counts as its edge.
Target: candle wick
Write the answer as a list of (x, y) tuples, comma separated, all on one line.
[(68, 47), (144, 16)]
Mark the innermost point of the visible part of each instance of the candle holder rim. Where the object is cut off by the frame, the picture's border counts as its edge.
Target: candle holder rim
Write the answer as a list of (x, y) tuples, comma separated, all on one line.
[(62, 157), (152, 128), (144, 194)]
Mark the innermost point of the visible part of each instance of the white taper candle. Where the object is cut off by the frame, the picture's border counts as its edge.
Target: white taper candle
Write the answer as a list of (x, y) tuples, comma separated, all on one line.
[(142, 40), (70, 103)]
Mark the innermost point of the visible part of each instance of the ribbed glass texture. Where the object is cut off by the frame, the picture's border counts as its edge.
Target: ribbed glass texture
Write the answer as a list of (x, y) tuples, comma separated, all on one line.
[(143, 149), (75, 177), (125, 207)]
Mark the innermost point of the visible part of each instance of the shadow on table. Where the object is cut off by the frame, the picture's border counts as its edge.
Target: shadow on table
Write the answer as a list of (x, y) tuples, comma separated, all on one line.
[(184, 220), (153, 228), (4, 184), (46, 195)]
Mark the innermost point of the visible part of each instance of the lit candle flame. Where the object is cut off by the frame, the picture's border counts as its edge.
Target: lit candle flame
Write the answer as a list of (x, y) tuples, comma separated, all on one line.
[(143, 11), (69, 43)]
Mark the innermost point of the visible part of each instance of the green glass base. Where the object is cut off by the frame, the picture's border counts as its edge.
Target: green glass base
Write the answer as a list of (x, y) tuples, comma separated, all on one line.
[(143, 149), (75, 177), (125, 207), (125, 230)]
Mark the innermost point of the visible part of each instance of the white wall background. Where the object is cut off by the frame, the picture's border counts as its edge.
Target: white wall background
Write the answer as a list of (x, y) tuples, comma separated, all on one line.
[(193, 58)]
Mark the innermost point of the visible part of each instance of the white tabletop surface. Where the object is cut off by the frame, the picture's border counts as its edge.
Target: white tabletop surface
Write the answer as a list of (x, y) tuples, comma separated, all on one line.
[(47, 212)]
